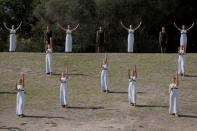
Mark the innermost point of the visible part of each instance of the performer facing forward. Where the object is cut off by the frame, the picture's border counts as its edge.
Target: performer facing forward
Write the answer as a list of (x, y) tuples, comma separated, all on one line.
[(64, 89), (104, 75), (100, 40), (68, 42), (49, 59), (183, 31), (20, 97), (163, 39), (48, 37), (173, 91), (12, 31), (131, 31), (132, 86), (181, 61)]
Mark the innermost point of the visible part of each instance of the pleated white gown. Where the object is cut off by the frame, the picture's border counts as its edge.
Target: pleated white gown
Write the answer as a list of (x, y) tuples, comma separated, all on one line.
[(68, 42), (49, 60), (130, 40), (181, 62), (104, 78), (20, 99), (183, 38), (12, 40), (63, 91), (173, 103), (132, 90)]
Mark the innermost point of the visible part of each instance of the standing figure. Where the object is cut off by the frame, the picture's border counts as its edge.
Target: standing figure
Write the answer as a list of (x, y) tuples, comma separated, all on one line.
[(20, 97), (183, 31), (131, 31), (104, 75), (12, 31), (132, 86), (100, 40), (68, 42), (173, 91), (49, 59), (48, 37), (181, 61), (64, 89), (163, 39)]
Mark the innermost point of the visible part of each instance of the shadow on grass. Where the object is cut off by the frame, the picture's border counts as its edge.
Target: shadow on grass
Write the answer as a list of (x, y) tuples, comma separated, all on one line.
[(7, 92), (186, 75), (11, 128), (151, 106), (91, 107), (71, 74), (119, 92), (188, 116), (49, 117)]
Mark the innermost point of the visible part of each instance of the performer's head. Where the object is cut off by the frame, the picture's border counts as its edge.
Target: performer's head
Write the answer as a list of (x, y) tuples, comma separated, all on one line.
[(163, 29), (12, 26), (20, 81), (131, 26), (100, 28), (183, 27), (174, 79), (48, 28), (69, 27)]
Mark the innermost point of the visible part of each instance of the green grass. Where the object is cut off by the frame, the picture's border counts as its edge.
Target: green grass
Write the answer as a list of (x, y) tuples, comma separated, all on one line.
[(154, 74)]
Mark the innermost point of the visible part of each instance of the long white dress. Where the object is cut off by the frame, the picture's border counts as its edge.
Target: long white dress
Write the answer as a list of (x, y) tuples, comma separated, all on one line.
[(130, 40), (63, 91), (174, 103), (104, 78), (132, 90), (49, 60), (20, 99), (183, 38), (12, 40), (68, 42), (181, 62)]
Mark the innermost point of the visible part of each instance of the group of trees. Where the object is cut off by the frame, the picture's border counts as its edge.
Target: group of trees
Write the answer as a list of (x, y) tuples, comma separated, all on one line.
[(90, 14)]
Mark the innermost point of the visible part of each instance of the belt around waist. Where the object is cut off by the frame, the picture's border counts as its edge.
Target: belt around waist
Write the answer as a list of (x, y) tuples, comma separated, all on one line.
[(20, 90)]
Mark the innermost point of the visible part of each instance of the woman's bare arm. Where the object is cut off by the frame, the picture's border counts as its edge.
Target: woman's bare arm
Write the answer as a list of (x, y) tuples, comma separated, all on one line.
[(190, 27), (74, 29), (176, 27), (19, 26), (61, 27), (138, 26), (124, 26), (6, 26)]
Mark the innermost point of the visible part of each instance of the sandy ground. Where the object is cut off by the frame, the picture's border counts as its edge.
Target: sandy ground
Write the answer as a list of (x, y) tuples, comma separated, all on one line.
[(89, 108)]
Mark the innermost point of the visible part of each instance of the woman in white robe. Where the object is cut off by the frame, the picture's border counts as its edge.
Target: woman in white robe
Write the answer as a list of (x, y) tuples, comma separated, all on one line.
[(12, 38), (64, 89), (181, 61), (131, 31), (132, 86), (68, 41), (174, 94), (49, 59), (20, 97), (183, 37), (105, 75)]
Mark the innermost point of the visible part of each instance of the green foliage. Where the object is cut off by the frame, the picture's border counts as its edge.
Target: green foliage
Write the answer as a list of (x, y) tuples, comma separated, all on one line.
[(91, 14)]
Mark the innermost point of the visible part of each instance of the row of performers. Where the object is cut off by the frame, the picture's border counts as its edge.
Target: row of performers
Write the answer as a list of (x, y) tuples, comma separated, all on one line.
[(100, 37), (104, 79)]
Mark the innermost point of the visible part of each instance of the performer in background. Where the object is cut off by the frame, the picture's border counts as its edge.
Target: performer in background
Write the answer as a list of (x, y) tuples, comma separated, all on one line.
[(100, 40), (132, 86), (12, 31), (20, 97), (183, 31), (181, 61), (68, 41), (174, 94), (64, 89), (131, 31), (49, 59), (48, 39), (163, 39), (104, 75)]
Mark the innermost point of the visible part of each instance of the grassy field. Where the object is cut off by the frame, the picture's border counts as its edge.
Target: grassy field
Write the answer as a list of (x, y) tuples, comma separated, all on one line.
[(90, 109)]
